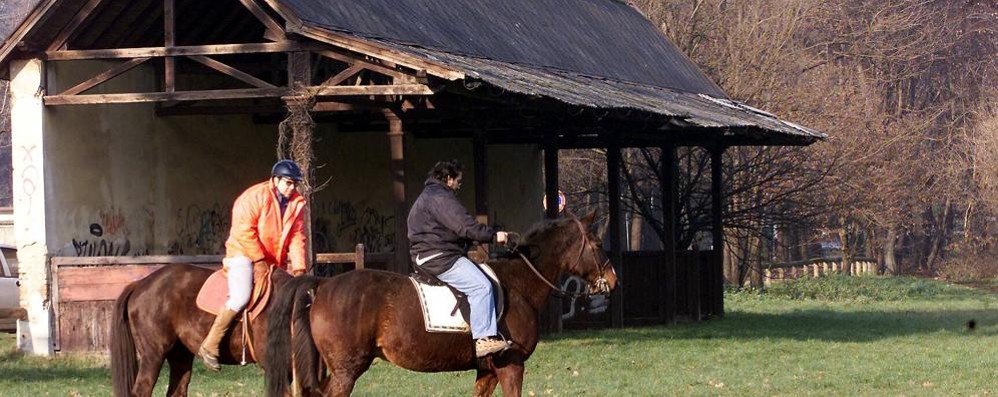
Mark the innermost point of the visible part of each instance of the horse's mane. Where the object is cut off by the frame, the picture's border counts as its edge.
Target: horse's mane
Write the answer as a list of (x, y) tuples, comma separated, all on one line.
[(539, 229)]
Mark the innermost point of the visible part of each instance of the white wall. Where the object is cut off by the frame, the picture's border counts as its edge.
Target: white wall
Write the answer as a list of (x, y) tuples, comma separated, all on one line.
[(125, 182)]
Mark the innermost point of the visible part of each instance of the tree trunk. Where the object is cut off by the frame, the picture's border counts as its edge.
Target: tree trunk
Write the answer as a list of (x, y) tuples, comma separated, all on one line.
[(890, 259), (755, 272), (637, 226), (939, 237), (846, 256)]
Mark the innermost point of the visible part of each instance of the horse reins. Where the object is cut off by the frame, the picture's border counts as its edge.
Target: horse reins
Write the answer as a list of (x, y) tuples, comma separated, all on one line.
[(601, 283)]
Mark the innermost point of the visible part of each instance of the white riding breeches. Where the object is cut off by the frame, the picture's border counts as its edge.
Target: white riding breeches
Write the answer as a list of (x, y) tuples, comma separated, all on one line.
[(240, 280)]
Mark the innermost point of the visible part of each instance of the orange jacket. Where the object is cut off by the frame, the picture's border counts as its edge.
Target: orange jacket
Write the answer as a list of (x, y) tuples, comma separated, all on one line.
[(259, 233)]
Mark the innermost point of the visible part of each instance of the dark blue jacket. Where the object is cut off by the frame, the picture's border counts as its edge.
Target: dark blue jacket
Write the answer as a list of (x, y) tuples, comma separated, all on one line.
[(441, 230)]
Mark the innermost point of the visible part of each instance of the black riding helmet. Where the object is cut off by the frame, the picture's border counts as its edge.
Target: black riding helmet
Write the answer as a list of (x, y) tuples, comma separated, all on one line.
[(288, 169)]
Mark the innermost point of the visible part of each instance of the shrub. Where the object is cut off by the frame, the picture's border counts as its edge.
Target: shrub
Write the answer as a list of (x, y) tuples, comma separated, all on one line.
[(969, 267)]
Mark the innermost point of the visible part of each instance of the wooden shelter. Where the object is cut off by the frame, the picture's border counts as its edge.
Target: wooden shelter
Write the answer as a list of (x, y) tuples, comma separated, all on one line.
[(551, 74)]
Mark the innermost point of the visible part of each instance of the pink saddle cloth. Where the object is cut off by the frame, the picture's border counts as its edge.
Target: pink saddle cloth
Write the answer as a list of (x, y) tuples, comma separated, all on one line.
[(215, 291)]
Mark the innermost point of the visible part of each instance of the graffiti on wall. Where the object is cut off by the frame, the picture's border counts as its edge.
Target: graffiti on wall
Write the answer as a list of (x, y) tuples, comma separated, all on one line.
[(594, 304), (339, 225), (28, 175), (108, 235), (201, 230)]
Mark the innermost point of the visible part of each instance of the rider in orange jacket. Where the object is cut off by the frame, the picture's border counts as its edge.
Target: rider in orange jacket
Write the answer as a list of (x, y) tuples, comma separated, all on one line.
[(267, 228)]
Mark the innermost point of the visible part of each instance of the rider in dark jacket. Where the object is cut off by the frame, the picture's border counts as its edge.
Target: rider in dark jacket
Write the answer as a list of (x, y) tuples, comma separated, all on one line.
[(440, 232)]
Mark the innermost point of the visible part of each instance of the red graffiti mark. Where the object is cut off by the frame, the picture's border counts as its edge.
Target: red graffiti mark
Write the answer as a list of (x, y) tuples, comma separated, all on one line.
[(113, 221)]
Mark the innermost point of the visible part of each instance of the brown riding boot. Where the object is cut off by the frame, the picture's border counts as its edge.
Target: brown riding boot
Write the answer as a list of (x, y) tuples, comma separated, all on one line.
[(209, 348)]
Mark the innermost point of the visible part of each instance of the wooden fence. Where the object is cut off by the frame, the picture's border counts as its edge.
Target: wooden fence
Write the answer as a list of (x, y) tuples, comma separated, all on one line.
[(817, 268), (643, 279), (85, 288)]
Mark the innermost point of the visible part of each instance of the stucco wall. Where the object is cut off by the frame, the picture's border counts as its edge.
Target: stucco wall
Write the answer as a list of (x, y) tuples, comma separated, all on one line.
[(122, 181)]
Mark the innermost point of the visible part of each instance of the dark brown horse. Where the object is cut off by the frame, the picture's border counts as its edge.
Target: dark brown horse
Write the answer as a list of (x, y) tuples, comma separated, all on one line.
[(345, 322), (156, 319)]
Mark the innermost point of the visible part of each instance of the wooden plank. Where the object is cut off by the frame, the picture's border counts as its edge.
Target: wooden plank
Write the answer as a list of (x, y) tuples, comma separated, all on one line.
[(213, 49), (81, 16), (715, 304), (165, 96), (398, 89), (96, 261), (615, 232), (231, 71), (82, 284), (366, 47), (366, 64), (273, 28), (105, 76), (338, 257), (15, 314), (85, 326), (669, 186), (169, 40), (342, 76), (244, 93)]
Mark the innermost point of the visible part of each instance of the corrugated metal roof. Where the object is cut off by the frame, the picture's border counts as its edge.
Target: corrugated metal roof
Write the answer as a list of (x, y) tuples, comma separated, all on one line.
[(595, 53), (601, 38), (698, 109)]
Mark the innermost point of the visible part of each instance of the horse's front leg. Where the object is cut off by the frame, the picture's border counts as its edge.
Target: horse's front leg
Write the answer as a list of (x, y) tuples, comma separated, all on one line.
[(510, 373), (485, 383)]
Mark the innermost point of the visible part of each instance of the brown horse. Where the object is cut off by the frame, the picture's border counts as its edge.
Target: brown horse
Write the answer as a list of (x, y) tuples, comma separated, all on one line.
[(345, 322), (156, 319)]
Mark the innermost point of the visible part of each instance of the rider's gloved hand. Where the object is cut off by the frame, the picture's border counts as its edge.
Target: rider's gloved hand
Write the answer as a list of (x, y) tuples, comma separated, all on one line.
[(298, 272), (502, 238)]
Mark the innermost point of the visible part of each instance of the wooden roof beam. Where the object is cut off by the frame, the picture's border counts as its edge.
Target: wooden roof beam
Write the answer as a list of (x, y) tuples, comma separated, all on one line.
[(247, 93), (105, 76), (350, 60), (213, 49), (274, 30), (231, 71), (366, 47)]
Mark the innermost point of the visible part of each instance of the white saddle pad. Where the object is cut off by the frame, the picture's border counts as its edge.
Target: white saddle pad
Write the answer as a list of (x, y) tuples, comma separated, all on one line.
[(438, 302)]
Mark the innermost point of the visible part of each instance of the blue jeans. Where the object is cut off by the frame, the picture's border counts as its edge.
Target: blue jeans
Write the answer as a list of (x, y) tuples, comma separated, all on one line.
[(467, 278)]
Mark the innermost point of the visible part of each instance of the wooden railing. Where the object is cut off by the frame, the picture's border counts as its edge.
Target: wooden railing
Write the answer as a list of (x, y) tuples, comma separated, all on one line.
[(818, 267)]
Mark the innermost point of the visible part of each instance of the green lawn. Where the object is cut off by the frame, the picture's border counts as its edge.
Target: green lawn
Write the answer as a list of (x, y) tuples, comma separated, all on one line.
[(839, 336)]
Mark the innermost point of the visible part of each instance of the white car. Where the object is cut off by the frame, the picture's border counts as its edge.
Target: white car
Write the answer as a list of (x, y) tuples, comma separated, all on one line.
[(9, 286)]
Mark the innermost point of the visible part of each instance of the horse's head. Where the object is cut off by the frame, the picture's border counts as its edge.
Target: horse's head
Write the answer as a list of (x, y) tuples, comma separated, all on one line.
[(590, 263)]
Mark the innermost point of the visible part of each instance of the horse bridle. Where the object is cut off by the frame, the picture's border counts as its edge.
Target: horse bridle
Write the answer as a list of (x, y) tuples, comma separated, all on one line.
[(601, 285)]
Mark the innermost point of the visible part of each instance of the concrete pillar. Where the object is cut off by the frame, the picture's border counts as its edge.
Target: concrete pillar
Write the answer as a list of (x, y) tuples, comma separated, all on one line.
[(28, 133)]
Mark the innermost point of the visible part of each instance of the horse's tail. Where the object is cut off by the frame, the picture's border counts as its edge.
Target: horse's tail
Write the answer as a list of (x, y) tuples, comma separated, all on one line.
[(124, 364), (291, 308)]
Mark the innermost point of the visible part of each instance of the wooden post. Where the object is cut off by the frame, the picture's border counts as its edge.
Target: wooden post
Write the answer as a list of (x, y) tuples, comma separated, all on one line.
[(670, 181), (397, 166), (169, 78), (553, 311), (481, 154), (716, 282), (615, 232), (358, 260), (300, 74)]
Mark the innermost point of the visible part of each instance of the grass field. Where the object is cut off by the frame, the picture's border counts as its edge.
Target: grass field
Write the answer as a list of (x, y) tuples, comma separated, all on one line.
[(838, 336)]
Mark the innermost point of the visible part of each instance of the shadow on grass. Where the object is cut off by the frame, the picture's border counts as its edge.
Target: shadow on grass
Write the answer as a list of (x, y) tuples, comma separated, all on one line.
[(807, 324)]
